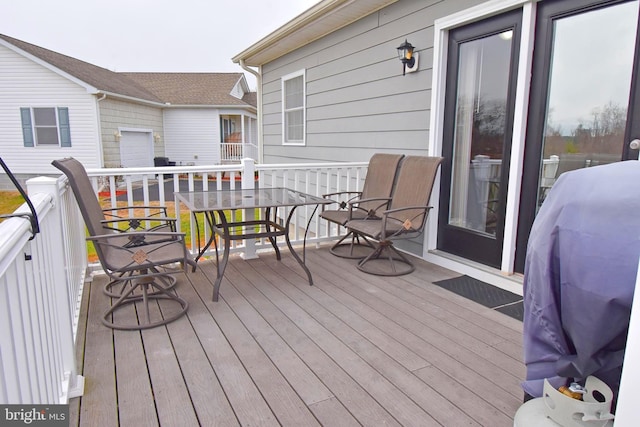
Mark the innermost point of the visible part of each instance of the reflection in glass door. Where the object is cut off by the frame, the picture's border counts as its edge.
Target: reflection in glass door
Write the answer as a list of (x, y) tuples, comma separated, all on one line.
[(582, 96), (477, 138), (589, 84)]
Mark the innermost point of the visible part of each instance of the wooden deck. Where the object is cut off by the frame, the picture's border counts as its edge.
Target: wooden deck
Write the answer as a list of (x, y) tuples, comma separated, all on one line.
[(353, 349)]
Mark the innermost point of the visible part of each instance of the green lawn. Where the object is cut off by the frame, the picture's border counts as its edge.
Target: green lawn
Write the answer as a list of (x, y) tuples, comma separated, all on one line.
[(10, 201)]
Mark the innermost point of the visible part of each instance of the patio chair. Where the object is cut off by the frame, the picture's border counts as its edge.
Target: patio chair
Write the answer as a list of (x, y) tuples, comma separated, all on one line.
[(404, 219), (141, 261), (375, 195)]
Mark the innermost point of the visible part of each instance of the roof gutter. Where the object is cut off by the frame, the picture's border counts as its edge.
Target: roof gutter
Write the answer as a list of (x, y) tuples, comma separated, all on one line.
[(258, 75)]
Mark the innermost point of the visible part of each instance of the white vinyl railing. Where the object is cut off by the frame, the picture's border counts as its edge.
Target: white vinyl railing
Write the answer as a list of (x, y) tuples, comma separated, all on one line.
[(41, 283), (143, 186), (234, 152)]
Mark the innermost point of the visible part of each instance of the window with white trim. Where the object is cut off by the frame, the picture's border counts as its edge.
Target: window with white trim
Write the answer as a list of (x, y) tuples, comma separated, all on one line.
[(293, 108), (45, 126)]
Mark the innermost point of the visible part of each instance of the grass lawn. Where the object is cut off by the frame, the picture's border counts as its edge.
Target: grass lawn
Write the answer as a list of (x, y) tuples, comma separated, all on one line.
[(10, 201)]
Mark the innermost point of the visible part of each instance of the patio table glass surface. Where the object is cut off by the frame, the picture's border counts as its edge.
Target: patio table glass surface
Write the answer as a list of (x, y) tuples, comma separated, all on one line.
[(203, 201), (213, 205)]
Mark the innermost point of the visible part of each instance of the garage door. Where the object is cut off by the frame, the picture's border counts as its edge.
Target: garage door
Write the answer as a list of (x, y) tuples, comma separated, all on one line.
[(136, 149)]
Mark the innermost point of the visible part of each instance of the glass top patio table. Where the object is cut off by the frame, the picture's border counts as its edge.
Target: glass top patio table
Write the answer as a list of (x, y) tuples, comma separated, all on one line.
[(213, 205), (216, 200)]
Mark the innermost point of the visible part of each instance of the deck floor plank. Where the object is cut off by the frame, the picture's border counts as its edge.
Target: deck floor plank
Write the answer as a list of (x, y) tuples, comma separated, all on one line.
[(136, 404), (418, 339), (357, 356), (335, 376), (99, 405), (353, 349), (450, 340), (440, 410), (286, 405)]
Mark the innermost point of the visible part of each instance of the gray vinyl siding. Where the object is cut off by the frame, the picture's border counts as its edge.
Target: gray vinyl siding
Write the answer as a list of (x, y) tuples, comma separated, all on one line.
[(116, 114), (358, 102)]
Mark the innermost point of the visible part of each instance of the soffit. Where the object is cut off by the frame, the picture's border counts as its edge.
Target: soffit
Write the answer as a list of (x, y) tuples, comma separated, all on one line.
[(324, 18)]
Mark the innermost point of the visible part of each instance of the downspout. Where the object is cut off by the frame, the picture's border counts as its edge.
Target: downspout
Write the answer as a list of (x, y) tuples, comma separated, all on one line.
[(100, 146), (259, 113)]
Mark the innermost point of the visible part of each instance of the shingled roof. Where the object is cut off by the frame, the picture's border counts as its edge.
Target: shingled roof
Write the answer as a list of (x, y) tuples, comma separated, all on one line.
[(191, 88), (163, 88)]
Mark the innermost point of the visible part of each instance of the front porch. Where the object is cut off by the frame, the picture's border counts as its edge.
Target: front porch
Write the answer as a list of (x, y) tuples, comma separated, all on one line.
[(353, 349)]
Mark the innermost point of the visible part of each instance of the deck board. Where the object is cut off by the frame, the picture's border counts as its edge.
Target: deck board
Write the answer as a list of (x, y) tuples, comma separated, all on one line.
[(353, 349)]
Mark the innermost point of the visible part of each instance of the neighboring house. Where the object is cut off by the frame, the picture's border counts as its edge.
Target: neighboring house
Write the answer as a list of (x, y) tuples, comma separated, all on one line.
[(54, 106), (510, 92)]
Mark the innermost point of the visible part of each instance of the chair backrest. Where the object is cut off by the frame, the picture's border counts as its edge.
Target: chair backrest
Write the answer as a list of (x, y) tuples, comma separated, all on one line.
[(381, 175), (413, 188), (85, 197)]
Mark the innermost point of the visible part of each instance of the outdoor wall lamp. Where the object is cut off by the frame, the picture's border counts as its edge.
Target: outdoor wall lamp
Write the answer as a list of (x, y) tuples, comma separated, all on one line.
[(117, 135), (408, 58), (157, 137)]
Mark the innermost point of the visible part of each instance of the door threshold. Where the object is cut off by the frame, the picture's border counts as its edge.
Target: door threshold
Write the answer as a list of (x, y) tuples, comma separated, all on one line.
[(509, 282)]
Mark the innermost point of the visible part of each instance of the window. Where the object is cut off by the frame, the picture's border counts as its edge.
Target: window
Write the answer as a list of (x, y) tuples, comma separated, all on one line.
[(45, 126), (293, 108)]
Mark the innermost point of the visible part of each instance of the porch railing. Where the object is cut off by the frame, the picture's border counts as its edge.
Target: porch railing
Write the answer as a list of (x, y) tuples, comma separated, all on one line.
[(234, 152), (146, 185), (41, 283)]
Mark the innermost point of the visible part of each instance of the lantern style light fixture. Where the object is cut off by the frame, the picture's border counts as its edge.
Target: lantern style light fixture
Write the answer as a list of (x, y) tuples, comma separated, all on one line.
[(407, 57)]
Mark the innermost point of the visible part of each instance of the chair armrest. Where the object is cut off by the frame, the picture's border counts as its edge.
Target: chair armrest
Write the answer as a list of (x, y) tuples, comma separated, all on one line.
[(371, 213), (407, 226), (140, 218), (135, 223), (137, 238), (110, 211), (343, 203), (340, 192)]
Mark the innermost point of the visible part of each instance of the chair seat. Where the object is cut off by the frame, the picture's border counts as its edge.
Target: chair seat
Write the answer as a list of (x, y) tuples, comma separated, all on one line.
[(373, 228), (341, 216)]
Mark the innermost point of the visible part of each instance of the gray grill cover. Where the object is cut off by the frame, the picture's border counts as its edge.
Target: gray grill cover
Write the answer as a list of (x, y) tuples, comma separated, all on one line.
[(580, 275)]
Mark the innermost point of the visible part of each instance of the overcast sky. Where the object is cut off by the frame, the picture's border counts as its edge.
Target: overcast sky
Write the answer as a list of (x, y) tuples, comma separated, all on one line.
[(149, 35)]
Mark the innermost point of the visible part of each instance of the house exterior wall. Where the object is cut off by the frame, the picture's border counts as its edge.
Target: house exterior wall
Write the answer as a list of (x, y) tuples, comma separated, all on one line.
[(25, 83), (116, 114), (192, 135), (357, 100)]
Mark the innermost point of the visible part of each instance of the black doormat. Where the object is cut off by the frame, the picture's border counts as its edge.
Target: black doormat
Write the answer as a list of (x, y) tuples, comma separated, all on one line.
[(483, 293)]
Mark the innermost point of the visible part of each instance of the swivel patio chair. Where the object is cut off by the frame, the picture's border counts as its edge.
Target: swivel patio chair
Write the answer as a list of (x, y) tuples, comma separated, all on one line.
[(142, 262), (375, 195), (404, 219)]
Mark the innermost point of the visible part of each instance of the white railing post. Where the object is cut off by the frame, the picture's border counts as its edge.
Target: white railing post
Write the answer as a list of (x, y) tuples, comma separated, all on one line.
[(248, 183), (60, 280)]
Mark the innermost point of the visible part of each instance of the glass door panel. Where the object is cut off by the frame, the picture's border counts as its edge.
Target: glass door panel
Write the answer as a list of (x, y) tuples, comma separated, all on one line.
[(476, 146), (585, 96), (589, 85), (481, 103)]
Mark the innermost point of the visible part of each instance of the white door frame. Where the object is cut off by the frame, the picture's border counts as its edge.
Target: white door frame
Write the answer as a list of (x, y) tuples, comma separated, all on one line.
[(441, 38)]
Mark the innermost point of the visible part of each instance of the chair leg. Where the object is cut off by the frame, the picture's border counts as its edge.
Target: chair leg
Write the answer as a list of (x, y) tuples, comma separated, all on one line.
[(116, 287), (358, 248), (148, 291), (386, 260)]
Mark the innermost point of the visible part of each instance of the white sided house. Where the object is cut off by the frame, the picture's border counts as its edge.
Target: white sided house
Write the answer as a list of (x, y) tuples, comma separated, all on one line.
[(55, 106), (511, 93)]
